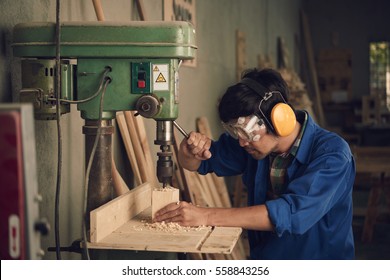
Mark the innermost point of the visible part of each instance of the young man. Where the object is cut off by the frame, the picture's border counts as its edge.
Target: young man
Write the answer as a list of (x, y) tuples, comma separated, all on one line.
[(299, 176)]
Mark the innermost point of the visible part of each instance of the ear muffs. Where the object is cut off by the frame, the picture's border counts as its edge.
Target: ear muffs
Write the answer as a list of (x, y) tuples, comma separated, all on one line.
[(283, 119)]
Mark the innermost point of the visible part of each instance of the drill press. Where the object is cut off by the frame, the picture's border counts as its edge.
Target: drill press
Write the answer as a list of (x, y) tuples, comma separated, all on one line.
[(139, 59)]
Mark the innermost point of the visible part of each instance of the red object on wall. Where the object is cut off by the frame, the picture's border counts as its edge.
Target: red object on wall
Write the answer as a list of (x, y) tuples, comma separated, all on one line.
[(12, 201)]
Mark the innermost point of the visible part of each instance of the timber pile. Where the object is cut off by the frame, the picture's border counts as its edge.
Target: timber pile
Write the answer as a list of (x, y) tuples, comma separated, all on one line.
[(138, 151)]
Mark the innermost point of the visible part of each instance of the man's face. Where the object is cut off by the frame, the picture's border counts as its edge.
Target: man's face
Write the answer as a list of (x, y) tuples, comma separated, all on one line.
[(252, 135), (261, 148)]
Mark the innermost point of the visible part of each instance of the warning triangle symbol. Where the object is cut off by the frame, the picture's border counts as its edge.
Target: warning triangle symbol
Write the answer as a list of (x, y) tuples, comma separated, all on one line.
[(155, 68), (160, 79)]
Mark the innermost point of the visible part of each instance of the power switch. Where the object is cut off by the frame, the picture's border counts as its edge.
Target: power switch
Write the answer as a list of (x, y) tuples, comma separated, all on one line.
[(140, 77), (141, 84)]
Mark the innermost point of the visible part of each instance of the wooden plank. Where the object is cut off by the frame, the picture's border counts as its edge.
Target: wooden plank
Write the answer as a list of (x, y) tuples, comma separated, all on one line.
[(240, 54), (108, 217), (138, 234), (191, 183), (312, 69), (181, 180), (140, 127), (120, 119), (221, 240), (134, 235), (162, 197), (218, 189), (218, 185), (98, 10), (119, 184), (141, 162), (141, 9)]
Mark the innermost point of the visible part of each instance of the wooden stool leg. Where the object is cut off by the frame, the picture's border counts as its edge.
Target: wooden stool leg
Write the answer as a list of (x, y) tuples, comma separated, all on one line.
[(372, 212)]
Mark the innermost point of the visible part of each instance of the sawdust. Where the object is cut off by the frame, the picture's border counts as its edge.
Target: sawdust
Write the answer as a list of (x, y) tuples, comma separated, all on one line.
[(164, 189), (165, 227)]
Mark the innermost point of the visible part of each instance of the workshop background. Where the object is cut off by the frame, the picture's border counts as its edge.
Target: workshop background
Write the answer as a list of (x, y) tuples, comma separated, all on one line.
[(321, 47)]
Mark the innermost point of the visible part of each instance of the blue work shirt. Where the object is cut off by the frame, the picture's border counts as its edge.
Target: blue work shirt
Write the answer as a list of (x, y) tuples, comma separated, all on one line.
[(313, 218)]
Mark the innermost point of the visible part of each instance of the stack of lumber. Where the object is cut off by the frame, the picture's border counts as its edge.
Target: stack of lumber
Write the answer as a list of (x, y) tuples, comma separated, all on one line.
[(138, 151)]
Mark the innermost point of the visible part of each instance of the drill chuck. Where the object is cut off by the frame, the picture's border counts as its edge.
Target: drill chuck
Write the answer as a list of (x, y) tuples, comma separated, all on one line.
[(165, 167)]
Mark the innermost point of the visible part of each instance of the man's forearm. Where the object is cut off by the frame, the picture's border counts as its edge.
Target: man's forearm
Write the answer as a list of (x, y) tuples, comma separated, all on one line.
[(253, 218)]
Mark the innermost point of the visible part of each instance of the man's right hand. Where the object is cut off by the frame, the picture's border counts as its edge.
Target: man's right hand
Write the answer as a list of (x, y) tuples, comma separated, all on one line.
[(193, 150)]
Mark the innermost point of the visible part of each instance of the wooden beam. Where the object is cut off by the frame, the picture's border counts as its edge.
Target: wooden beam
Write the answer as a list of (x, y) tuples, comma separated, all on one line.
[(119, 184), (120, 119), (143, 139), (108, 217), (312, 69), (240, 54), (161, 197), (141, 9), (140, 157), (97, 5)]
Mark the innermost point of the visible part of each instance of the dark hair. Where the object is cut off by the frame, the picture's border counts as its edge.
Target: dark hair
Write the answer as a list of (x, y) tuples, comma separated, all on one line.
[(240, 101)]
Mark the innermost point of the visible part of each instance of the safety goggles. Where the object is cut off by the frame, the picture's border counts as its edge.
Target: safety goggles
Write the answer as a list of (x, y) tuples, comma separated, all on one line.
[(249, 128)]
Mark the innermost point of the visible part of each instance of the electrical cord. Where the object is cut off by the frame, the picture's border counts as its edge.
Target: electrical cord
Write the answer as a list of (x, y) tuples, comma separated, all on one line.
[(89, 166), (59, 137), (106, 80), (108, 69)]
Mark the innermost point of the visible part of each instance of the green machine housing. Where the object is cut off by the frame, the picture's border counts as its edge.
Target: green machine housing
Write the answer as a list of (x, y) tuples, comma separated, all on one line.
[(144, 58), (140, 59)]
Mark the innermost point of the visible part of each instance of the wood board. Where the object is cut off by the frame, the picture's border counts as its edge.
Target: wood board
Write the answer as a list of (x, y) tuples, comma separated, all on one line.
[(112, 227)]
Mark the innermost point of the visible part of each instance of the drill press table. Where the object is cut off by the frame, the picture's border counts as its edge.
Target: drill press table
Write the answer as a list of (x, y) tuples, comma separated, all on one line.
[(121, 224)]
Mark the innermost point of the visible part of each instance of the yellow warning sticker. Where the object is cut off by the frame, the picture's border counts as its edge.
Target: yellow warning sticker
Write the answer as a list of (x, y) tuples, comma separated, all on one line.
[(160, 79)]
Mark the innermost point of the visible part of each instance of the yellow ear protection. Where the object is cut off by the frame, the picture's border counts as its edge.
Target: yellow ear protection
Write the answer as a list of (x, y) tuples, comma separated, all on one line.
[(282, 119)]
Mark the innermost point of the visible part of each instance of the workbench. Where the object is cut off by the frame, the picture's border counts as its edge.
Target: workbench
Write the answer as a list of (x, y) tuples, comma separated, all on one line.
[(125, 224)]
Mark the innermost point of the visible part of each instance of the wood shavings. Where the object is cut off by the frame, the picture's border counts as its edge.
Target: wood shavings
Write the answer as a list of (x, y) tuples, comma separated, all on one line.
[(165, 227), (164, 189)]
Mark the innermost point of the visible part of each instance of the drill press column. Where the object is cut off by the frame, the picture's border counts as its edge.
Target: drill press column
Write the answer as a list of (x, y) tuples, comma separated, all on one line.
[(100, 178)]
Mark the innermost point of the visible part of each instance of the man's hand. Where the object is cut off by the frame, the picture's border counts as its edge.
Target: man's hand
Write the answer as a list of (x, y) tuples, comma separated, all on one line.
[(183, 213), (193, 150)]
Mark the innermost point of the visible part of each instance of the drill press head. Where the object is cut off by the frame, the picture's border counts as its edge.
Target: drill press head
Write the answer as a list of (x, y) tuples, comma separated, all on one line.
[(144, 60)]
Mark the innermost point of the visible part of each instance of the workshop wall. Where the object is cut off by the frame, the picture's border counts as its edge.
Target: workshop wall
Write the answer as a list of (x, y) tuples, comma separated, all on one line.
[(262, 21)]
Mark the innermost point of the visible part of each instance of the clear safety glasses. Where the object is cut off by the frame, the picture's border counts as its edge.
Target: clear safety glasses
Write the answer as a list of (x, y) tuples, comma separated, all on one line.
[(249, 128)]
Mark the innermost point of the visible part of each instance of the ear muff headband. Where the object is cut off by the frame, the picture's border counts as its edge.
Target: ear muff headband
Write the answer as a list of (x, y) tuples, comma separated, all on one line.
[(282, 116)]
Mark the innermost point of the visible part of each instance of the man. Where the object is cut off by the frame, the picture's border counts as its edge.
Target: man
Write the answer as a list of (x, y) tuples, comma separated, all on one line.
[(299, 176)]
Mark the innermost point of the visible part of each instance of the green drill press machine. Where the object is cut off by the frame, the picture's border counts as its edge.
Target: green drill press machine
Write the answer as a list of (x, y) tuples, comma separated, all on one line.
[(135, 65)]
